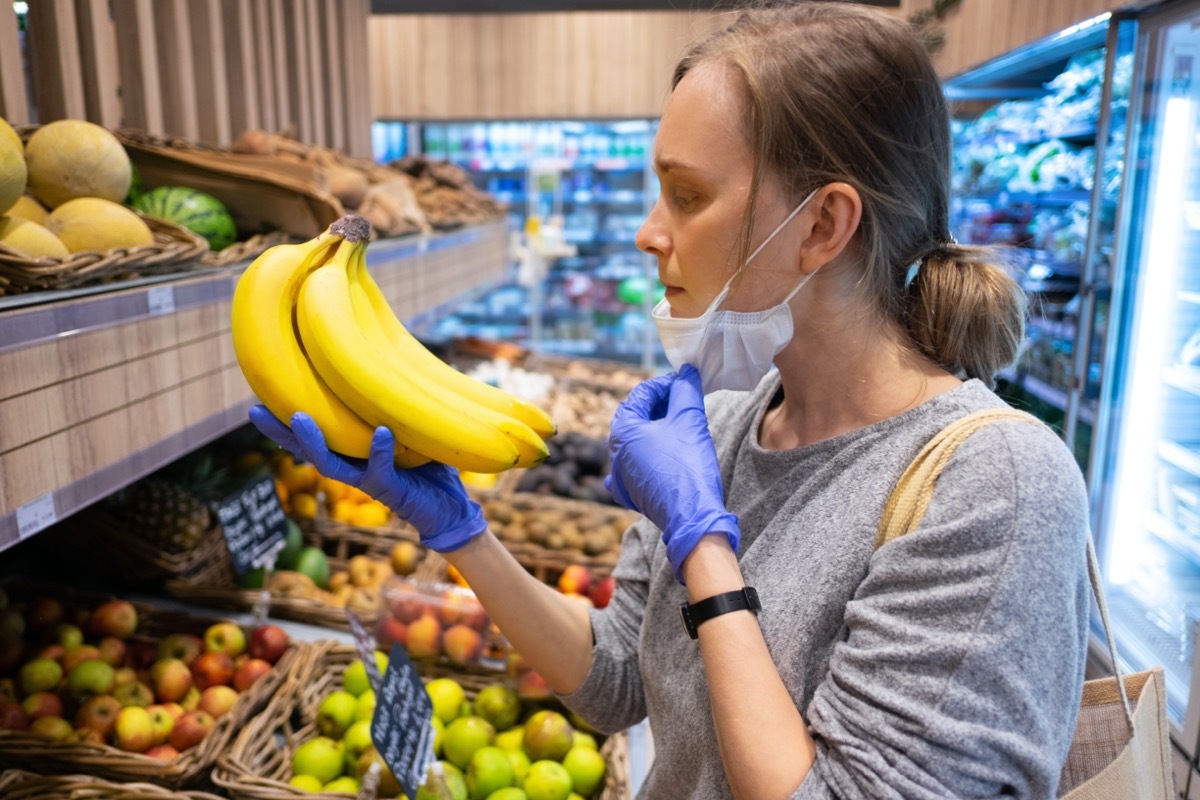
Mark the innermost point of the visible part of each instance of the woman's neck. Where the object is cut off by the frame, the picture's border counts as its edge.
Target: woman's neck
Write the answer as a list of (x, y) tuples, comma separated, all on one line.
[(838, 378)]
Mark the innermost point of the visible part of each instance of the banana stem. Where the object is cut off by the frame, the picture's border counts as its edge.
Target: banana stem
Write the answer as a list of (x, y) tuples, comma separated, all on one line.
[(352, 228)]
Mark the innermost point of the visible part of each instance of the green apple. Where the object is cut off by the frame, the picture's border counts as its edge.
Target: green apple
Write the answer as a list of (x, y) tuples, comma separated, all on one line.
[(312, 562), (39, 675), (488, 771), (89, 679), (464, 736), (293, 543), (320, 757), (342, 785), (547, 780), (357, 739), (252, 578), (336, 714), (499, 705), (366, 706), (305, 783), (511, 739), (453, 779), (354, 680), (520, 764), (581, 739), (448, 698), (586, 768), (439, 732), (510, 793)]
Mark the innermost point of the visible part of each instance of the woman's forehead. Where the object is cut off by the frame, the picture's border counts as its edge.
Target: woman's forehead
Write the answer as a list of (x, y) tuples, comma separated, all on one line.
[(702, 126)]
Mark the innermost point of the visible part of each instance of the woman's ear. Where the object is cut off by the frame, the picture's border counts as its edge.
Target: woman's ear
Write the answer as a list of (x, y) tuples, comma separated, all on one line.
[(837, 212)]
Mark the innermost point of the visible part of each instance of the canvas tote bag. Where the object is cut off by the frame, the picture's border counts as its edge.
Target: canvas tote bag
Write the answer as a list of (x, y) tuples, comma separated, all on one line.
[(1121, 749)]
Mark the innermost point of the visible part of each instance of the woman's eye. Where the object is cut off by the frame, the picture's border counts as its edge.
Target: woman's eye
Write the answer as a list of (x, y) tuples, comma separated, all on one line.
[(681, 201)]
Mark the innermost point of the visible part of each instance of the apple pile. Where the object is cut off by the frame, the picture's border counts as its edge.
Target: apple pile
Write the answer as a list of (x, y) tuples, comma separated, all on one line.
[(577, 582), (82, 676), (492, 748), (434, 620)]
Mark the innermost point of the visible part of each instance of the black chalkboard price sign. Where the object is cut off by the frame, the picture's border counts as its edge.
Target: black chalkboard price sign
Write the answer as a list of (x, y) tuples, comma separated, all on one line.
[(253, 523), (401, 727)]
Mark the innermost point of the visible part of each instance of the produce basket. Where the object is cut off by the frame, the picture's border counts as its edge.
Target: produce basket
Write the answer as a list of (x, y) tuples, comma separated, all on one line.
[(96, 536), (174, 247), (20, 785), (250, 249), (22, 749), (290, 599), (258, 763)]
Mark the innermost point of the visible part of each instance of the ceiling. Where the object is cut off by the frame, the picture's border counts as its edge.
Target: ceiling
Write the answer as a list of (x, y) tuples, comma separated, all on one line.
[(523, 6)]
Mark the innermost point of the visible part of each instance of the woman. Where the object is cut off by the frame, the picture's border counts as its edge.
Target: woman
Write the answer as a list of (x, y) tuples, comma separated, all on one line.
[(804, 156)]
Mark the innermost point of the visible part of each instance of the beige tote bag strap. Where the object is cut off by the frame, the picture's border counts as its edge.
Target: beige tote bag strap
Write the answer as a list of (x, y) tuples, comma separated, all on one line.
[(907, 504)]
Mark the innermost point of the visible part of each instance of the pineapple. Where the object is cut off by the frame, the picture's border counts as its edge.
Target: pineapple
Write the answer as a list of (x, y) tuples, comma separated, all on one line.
[(165, 514)]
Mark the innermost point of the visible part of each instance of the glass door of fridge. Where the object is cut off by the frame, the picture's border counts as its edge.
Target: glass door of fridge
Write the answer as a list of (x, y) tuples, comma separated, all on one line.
[(1148, 488)]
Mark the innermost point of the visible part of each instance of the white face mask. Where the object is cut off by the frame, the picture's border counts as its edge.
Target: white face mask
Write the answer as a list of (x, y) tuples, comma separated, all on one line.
[(730, 349)]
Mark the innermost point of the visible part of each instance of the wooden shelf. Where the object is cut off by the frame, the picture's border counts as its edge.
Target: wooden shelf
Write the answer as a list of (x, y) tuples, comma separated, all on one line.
[(102, 387)]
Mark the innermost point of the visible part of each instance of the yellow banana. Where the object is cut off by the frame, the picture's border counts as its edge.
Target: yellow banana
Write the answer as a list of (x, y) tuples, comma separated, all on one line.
[(413, 359), (434, 369), (272, 358), (421, 417)]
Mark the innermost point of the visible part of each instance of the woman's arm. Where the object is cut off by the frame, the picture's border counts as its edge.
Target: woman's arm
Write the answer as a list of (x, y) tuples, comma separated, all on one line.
[(550, 631), (748, 697)]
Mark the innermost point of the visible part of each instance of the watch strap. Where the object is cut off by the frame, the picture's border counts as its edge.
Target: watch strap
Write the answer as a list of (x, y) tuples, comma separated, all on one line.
[(695, 614)]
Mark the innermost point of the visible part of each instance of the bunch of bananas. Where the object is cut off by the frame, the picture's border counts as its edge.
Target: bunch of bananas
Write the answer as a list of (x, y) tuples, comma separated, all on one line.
[(313, 332)]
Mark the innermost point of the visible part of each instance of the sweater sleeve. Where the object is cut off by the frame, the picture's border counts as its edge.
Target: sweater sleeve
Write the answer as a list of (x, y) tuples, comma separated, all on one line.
[(962, 664), (611, 697)]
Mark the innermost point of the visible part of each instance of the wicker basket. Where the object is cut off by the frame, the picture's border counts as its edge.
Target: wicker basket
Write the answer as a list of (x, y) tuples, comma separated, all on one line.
[(245, 251), (19, 785), (98, 537), (339, 541), (175, 248), (257, 765), (21, 749)]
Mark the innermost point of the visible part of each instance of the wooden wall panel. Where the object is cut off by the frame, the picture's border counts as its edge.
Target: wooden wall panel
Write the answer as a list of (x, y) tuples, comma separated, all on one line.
[(241, 65), (180, 112), (137, 43), (14, 102), (209, 57), (98, 51), (53, 38), (618, 64)]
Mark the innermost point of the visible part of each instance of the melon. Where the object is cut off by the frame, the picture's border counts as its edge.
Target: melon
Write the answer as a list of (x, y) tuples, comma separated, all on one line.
[(7, 132), (12, 173), (200, 213), (91, 223), (71, 158), (30, 239), (28, 208)]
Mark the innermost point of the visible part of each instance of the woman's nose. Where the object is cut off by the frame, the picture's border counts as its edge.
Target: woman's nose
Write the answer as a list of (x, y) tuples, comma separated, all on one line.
[(652, 236)]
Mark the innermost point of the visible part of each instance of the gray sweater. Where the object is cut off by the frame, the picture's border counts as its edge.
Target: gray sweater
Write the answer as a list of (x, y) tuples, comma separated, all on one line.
[(947, 664)]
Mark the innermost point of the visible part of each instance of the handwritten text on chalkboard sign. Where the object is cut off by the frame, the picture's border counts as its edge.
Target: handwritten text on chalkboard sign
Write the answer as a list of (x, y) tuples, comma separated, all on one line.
[(254, 524), (401, 727)]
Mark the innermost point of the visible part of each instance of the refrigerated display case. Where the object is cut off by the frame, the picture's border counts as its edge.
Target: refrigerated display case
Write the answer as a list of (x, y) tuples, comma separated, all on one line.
[(1145, 478), (1038, 147), (593, 182)]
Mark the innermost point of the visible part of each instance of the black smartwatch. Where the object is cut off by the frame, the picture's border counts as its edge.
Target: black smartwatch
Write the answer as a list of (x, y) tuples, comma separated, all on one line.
[(694, 614)]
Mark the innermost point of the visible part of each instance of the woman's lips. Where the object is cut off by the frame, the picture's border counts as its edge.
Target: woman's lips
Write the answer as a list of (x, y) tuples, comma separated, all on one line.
[(673, 291)]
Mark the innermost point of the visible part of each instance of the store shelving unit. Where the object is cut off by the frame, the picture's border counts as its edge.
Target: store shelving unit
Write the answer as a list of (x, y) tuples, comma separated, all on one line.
[(102, 386)]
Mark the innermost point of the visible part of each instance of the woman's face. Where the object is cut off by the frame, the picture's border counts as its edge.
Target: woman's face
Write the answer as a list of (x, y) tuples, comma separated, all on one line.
[(705, 166)]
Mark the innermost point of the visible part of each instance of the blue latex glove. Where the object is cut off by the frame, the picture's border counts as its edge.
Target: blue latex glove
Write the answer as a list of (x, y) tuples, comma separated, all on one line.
[(664, 464), (430, 497)]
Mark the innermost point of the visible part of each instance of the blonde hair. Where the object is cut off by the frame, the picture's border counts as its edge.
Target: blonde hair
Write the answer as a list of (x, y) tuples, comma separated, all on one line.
[(837, 92)]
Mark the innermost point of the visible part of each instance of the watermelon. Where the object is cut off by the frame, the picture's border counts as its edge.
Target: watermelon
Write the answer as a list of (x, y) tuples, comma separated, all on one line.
[(200, 213)]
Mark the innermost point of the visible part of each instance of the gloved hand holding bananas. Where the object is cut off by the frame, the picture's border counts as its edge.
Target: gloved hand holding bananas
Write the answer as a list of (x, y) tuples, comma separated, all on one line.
[(313, 333)]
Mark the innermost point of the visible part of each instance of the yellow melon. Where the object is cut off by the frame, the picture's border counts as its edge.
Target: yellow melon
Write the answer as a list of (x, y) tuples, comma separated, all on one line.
[(28, 208), (12, 173), (72, 158), (90, 223), (30, 239), (7, 132)]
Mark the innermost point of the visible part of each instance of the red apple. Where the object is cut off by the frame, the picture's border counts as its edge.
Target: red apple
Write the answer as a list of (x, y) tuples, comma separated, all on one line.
[(174, 709), (134, 731), (164, 752), (182, 646), (225, 637), (112, 650), (54, 652), (143, 654), (405, 602), (248, 673), (454, 606), (115, 618), (77, 616), (602, 592), (13, 717), (43, 614), (171, 679), (191, 729), (212, 669), (268, 642), (134, 694), (217, 701), (99, 714), (425, 637), (79, 655), (55, 728), (42, 704), (462, 644), (575, 579), (532, 686), (124, 675), (390, 631), (85, 735)]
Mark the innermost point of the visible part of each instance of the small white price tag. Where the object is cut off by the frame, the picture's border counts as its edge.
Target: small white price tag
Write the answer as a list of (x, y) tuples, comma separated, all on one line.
[(161, 300), (422, 245), (35, 515)]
